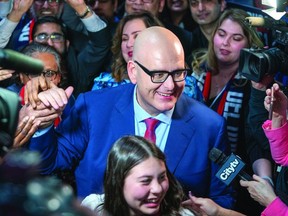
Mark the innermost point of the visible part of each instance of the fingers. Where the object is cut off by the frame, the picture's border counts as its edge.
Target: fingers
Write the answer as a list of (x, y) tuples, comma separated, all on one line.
[(256, 179), (32, 89), (25, 131), (69, 91), (5, 74), (55, 98)]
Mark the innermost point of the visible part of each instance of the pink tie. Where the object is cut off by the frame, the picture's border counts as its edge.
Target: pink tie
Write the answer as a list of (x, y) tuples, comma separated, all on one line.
[(151, 125)]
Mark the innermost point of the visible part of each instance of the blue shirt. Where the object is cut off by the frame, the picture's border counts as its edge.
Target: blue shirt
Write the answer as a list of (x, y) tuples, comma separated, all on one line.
[(161, 131)]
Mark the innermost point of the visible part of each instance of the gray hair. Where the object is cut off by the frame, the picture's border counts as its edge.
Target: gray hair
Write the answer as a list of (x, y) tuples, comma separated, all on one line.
[(34, 48)]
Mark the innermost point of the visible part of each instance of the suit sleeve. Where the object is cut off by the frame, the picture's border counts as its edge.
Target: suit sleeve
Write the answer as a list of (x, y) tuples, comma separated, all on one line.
[(64, 147)]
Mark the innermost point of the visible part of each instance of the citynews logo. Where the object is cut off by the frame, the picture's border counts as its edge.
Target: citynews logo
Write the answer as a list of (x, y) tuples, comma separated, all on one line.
[(230, 169)]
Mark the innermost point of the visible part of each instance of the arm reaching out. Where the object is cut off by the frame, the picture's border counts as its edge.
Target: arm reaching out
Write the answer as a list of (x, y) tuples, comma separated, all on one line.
[(43, 90), (207, 207)]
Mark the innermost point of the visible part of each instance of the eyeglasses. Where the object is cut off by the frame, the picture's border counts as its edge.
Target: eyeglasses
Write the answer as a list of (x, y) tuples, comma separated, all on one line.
[(50, 2), (55, 37), (195, 3), (51, 74), (144, 1), (161, 76)]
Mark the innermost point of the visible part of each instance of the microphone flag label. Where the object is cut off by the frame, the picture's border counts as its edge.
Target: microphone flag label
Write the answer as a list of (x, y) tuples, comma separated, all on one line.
[(230, 169)]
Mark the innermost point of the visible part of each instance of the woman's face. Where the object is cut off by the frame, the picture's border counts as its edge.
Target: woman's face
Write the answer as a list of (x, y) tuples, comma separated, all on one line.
[(130, 31), (145, 187), (228, 40)]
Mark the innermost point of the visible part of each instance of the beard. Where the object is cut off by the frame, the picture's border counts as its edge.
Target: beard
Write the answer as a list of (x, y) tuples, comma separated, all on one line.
[(34, 15)]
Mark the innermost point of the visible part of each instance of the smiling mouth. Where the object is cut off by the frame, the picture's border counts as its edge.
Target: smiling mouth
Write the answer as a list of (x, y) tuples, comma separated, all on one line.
[(152, 201), (46, 12), (164, 95)]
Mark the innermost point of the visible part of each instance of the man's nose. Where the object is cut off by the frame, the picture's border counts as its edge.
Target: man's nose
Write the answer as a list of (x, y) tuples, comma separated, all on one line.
[(49, 42), (169, 83), (201, 6), (45, 5)]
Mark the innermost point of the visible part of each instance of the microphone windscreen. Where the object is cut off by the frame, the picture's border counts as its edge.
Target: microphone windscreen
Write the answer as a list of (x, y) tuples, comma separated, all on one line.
[(10, 59)]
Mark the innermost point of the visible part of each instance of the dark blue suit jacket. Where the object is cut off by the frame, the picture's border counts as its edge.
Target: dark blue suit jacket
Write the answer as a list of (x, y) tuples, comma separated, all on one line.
[(100, 117)]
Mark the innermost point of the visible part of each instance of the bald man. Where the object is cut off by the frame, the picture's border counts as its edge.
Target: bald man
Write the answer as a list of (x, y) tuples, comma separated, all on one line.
[(186, 132)]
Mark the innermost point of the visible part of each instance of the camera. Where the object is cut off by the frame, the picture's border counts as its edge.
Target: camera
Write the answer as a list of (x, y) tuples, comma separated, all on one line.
[(255, 62), (23, 191), (9, 111)]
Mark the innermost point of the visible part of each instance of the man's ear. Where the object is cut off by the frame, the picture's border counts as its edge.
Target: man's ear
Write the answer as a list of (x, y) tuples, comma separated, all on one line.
[(132, 71)]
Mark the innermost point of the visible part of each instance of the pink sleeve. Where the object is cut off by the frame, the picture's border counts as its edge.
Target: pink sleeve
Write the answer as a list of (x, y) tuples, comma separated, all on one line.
[(277, 207), (278, 139)]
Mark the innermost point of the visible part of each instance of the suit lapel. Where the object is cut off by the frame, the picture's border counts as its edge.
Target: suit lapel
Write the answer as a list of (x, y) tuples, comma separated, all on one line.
[(122, 116), (180, 134)]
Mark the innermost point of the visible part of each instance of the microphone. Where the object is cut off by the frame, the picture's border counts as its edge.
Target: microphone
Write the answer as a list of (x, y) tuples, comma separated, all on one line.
[(231, 166), (266, 22), (13, 60)]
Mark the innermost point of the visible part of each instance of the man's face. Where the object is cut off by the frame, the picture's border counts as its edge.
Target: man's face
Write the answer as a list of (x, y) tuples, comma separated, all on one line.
[(156, 98), (104, 8), (205, 12), (177, 5), (153, 6), (50, 66), (49, 29), (42, 8)]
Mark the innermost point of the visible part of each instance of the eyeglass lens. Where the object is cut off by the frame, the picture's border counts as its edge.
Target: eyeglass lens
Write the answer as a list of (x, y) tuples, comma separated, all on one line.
[(55, 37)]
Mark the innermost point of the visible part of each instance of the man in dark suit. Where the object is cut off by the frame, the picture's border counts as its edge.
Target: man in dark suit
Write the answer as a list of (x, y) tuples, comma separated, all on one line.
[(187, 131)]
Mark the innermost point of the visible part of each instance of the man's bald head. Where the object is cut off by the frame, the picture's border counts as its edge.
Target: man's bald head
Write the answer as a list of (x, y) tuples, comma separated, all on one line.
[(157, 41), (157, 52)]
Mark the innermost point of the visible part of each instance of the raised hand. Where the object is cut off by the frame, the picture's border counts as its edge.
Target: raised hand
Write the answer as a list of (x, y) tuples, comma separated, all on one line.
[(34, 87), (55, 97), (25, 130), (20, 7), (280, 103), (79, 6)]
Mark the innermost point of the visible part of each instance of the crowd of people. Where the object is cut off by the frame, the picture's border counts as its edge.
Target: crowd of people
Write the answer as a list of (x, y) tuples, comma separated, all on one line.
[(133, 96)]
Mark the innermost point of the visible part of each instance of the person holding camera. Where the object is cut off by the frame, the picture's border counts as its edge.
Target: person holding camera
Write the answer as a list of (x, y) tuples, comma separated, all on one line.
[(227, 92)]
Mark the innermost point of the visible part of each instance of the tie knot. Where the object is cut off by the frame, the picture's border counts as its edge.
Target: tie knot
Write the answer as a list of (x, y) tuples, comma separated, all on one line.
[(151, 123)]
